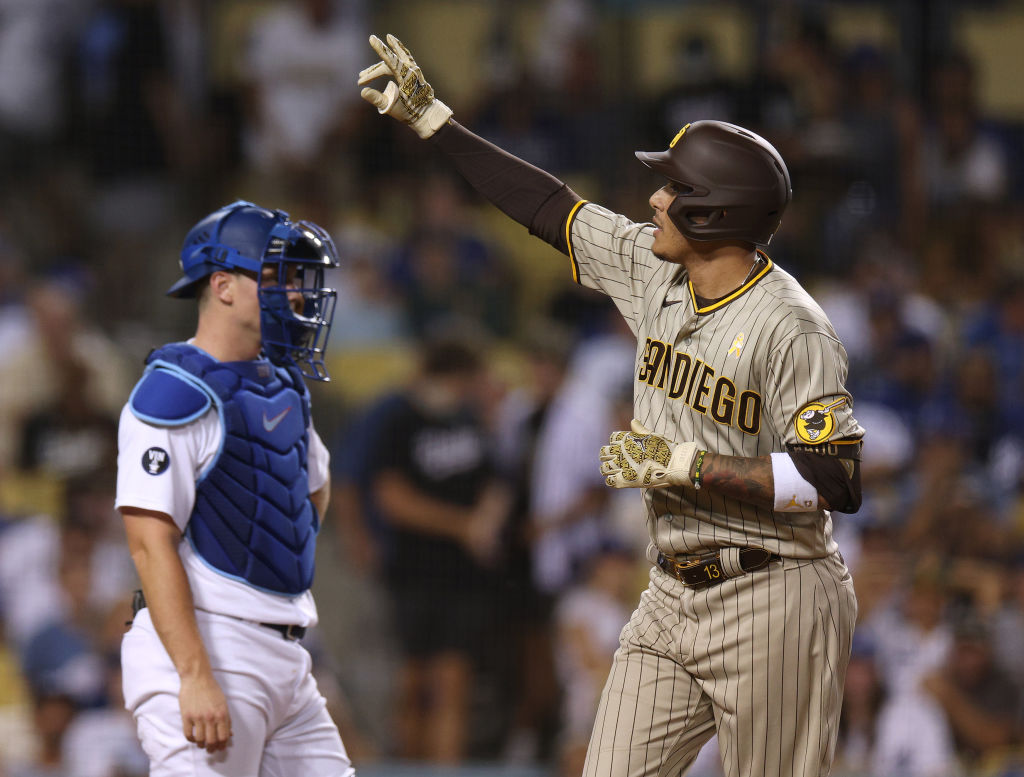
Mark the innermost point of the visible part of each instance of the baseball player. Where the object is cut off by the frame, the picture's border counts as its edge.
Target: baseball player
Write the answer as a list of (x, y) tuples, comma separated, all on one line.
[(744, 440), (222, 483)]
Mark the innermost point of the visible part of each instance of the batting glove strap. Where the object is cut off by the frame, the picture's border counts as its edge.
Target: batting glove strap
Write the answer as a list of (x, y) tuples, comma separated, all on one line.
[(646, 460), (408, 98)]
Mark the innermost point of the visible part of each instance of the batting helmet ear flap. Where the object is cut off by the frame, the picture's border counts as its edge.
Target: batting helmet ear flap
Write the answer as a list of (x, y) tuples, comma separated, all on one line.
[(695, 218)]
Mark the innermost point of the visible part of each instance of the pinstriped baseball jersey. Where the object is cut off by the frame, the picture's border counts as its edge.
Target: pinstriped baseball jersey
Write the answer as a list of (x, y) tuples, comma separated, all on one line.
[(759, 658), (745, 375)]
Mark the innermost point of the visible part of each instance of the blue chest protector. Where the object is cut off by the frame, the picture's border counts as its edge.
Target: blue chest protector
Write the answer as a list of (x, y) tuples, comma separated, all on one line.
[(253, 520)]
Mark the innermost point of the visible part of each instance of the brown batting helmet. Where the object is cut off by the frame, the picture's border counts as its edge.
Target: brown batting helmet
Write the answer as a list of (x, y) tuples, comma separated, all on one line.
[(731, 183)]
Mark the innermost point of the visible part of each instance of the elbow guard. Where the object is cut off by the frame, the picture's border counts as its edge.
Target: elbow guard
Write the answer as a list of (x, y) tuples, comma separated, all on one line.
[(835, 478)]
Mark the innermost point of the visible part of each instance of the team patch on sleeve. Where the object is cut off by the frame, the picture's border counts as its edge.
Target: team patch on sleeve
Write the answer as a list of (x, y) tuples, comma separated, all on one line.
[(815, 422), (155, 461)]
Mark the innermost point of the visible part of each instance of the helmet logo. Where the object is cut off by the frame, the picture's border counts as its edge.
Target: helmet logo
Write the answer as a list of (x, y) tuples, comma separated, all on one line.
[(678, 135)]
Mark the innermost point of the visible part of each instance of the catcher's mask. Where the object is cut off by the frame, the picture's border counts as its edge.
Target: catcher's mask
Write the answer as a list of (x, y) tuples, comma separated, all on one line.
[(730, 183), (296, 309)]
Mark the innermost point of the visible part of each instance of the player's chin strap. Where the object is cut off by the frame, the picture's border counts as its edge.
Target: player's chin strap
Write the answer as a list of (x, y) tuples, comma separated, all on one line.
[(411, 100)]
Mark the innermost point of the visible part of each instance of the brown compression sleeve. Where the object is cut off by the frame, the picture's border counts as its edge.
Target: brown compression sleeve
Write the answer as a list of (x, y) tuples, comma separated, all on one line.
[(534, 198), (837, 479)]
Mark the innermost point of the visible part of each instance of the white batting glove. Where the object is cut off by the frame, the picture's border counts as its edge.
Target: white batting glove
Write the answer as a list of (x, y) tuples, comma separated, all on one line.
[(640, 458), (411, 100)]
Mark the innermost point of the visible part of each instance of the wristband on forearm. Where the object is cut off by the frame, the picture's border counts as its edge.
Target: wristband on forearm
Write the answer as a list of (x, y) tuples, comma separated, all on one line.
[(793, 494), (698, 470)]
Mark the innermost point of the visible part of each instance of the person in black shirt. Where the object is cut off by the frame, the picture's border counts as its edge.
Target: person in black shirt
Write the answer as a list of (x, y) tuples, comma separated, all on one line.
[(432, 482)]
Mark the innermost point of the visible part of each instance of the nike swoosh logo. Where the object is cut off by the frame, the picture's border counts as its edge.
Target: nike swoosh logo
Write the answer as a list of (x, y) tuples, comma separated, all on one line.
[(668, 302), (270, 424)]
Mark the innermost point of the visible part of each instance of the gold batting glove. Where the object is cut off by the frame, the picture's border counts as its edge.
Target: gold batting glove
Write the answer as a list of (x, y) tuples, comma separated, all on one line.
[(640, 458), (409, 98)]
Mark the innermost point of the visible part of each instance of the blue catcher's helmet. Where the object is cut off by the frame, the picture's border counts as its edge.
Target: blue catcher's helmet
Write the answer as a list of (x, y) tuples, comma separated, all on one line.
[(244, 236)]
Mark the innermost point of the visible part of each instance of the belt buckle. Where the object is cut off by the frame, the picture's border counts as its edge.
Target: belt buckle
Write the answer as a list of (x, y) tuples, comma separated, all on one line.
[(693, 562), (294, 632), (678, 567)]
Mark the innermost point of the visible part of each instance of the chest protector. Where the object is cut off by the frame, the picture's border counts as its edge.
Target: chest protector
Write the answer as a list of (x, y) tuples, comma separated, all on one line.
[(253, 520)]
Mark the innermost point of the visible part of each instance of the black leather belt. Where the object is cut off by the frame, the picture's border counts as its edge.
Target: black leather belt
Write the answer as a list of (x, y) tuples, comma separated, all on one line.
[(710, 569), (286, 630)]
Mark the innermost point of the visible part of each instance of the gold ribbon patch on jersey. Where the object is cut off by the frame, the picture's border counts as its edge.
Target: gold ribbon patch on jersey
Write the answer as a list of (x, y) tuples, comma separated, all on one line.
[(815, 422), (737, 346)]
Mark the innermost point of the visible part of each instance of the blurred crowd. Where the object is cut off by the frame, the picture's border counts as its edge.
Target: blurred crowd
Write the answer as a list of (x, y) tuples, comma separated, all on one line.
[(475, 570)]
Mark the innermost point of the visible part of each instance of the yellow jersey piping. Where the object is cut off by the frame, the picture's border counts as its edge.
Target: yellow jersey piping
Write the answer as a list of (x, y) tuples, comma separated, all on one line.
[(739, 292), (568, 239)]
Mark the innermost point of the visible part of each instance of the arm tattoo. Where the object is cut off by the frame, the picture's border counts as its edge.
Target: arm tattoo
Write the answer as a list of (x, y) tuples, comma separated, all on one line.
[(743, 479)]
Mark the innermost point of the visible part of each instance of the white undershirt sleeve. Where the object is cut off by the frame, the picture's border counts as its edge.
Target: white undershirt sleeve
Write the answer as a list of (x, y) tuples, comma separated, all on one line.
[(157, 466), (318, 461), (793, 494)]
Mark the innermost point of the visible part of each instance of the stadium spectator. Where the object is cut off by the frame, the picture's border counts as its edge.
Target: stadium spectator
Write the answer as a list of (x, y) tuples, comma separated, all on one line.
[(433, 481), (130, 126), (862, 699), (61, 333), (588, 618), (531, 681), (912, 639), (450, 276), (71, 436), (52, 714), (568, 493), (299, 63), (982, 704), (963, 161), (1007, 621)]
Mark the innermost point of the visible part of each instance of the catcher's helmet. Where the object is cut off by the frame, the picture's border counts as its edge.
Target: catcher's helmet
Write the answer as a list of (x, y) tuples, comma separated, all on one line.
[(244, 236), (732, 184)]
